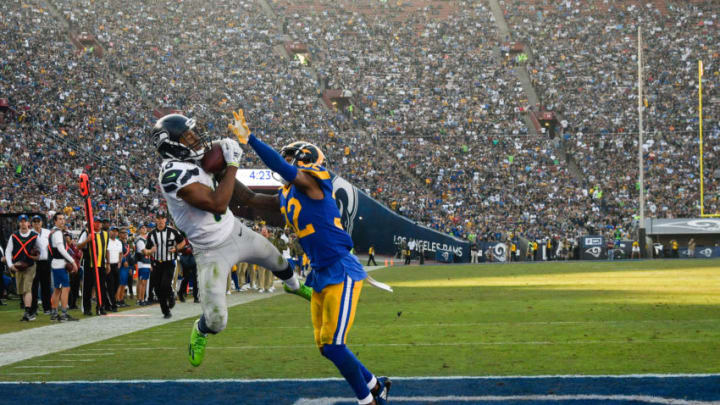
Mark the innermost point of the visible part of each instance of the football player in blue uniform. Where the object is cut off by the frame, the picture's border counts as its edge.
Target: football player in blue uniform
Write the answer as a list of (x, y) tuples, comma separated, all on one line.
[(308, 204)]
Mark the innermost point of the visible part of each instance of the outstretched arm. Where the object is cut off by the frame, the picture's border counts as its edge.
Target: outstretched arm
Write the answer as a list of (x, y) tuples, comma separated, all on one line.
[(290, 173), (304, 182)]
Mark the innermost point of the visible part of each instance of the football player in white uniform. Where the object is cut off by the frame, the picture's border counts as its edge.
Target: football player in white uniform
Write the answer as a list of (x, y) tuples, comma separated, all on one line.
[(199, 207)]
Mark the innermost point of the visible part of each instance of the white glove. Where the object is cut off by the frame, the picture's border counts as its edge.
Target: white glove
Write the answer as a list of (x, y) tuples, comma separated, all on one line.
[(231, 152)]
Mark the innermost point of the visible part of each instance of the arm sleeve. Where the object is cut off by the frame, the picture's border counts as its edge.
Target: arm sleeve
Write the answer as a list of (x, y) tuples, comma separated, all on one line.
[(149, 242), (58, 243), (179, 238), (8, 253), (273, 160)]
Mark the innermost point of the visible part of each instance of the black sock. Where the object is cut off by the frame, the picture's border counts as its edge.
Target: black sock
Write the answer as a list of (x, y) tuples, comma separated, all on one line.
[(284, 274), (202, 327)]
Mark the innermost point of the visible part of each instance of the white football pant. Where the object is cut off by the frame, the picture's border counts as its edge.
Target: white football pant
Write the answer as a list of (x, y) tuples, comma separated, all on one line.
[(214, 264)]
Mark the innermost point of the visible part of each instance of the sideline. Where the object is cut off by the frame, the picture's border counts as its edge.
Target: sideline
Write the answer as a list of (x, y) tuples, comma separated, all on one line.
[(35, 342)]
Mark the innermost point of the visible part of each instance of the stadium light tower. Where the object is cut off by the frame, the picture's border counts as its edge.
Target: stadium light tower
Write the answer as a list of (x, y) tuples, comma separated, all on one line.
[(641, 176)]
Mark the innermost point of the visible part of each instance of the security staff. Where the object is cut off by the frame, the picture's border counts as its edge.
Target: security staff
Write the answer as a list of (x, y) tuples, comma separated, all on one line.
[(371, 256), (42, 268), (20, 256), (89, 275), (163, 242)]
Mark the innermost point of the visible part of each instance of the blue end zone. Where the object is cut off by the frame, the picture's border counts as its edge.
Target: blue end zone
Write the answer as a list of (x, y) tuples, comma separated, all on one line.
[(462, 390)]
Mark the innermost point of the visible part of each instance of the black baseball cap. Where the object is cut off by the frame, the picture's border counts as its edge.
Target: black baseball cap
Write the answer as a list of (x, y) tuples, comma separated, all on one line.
[(36, 218), (161, 214)]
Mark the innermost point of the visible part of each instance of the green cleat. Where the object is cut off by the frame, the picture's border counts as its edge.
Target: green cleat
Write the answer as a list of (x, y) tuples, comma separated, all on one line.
[(196, 349), (304, 291)]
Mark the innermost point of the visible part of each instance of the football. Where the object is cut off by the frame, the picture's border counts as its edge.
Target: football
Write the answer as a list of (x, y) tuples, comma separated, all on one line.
[(69, 266), (213, 161), (21, 266)]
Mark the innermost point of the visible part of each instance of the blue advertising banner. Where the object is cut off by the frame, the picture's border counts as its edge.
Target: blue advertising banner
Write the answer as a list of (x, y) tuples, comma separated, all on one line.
[(369, 222), (593, 247), (626, 247), (701, 252), (444, 256), (494, 251)]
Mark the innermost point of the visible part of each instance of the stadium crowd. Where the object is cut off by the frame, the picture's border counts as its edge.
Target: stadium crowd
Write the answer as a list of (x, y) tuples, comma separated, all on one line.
[(585, 68), (436, 128)]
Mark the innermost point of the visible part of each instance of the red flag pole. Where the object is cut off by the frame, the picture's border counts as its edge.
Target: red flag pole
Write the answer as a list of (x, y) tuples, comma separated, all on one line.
[(85, 193)]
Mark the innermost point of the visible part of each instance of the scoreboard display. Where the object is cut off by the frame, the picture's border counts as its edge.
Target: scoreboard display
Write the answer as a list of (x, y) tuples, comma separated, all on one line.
[(258, 178)]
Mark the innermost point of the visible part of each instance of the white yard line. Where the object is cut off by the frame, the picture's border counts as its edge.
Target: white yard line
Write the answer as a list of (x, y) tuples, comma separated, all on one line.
[(469, 324), (87, 354), (419, 344), (44, 367), (514, 398), (417, 378), (27, 373), (69, 335)]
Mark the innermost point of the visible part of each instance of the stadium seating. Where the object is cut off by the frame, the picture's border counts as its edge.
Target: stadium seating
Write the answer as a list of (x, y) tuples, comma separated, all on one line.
[(437, 129)]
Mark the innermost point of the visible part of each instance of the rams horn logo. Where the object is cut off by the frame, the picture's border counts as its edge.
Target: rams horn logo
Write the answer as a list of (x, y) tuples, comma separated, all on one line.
[(346, 198), (499, 252), (595, 251), (707, 252)]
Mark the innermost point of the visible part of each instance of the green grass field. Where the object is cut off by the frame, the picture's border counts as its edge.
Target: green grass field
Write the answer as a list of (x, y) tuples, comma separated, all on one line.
[(513, 319)]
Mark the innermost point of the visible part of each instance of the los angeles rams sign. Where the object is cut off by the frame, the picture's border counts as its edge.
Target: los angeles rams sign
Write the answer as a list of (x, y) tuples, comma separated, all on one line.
[(369, 222)]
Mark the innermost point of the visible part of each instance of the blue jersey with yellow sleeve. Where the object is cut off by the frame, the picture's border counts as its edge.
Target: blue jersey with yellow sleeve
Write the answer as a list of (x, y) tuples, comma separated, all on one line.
[(316, 222)]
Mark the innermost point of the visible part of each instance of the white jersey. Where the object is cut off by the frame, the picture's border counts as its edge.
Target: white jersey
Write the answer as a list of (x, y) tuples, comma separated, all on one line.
[(42, 243), (114, 250), (202, 228)]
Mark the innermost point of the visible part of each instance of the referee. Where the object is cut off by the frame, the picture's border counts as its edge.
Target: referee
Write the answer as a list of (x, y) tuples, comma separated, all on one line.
[(162, 243)]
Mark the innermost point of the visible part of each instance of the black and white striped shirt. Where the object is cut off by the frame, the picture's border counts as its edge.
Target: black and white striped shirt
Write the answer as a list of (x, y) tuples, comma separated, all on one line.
[(164, 240)]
